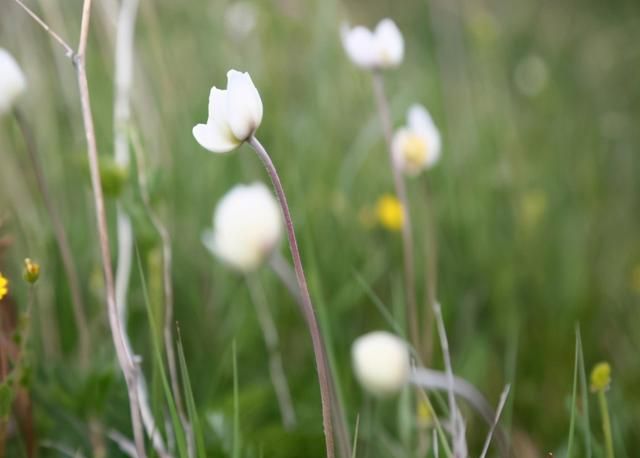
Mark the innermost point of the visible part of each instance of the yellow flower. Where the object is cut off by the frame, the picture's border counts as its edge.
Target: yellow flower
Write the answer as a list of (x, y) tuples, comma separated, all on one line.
[(31, 271), (4, 286), (600, 377), (389, 212), (425, 414)]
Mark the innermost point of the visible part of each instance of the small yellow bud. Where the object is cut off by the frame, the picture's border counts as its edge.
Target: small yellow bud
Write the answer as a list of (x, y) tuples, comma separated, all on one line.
[(31, 271), (389, 212), (4, 286), (600, 377)]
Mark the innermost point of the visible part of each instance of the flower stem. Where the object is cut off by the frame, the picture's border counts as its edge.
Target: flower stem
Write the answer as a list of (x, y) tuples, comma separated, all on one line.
[(309, 312), (606, 423), (401, 191)]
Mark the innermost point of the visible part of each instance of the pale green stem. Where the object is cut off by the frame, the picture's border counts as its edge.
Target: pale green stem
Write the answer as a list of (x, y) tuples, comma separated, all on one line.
[(606, 423)]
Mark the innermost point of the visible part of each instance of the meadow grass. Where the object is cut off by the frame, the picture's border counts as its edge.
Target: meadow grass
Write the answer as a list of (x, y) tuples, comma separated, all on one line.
[(536, 203)]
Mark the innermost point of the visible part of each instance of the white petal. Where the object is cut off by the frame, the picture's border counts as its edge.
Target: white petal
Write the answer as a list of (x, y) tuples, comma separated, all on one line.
[(12, 81), (359, 45), (215, 135), (243, 104), (389, 44), (420, 121), (212, 138)]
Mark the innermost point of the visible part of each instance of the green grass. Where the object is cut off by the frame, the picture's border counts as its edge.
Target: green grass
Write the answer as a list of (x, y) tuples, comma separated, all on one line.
[(536, 202)]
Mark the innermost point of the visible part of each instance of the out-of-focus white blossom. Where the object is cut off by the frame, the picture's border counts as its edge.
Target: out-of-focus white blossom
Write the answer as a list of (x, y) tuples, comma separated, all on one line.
[(381, 362), (378, 49), (531, 75), (234, 114), (240, 18), (247, 226), (416, 146), (12, 81)]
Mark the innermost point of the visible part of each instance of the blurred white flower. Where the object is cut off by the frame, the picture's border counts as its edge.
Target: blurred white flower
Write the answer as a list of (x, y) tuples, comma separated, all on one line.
[(12, 81), (234, 114), (381, 362), (240, 18), (531, 75), (417, 146), (378, 49), (247, 226)]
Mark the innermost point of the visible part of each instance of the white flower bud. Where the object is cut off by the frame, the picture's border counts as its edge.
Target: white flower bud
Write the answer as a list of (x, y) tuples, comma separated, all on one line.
[(416, 147), (379, 49), (381, 362), (12, 81), (247, 225), (235, 114)]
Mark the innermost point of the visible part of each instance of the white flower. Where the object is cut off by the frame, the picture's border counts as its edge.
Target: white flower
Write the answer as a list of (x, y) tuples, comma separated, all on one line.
[(417, 146), (240, 19), (381, 362), (234, 114), (12, 81), (378, 49), (247, 226)]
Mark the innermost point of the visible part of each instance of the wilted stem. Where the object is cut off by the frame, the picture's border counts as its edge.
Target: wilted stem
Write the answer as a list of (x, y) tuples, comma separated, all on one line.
[(309, 312), (127, 365), (68, 264), (401, 191)]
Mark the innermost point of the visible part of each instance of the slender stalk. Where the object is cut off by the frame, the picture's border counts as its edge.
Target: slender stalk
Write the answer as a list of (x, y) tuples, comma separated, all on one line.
[(606, 423), (68, 263), (444, 344), (318, 347), (431, 275), (271, 340), (126, 364), (124, 61), (501, 403), (287, 276), (401, 191)]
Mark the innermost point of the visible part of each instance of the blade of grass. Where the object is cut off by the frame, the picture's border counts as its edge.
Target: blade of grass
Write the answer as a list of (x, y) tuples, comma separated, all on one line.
[(194, 420), (236, 406), (175, 419), (354, 448), (441, 434), (584, 392), (382, 308), (574, 392)]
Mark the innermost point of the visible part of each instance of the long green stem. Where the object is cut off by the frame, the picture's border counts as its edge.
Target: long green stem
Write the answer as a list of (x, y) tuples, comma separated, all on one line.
[(309, 312)]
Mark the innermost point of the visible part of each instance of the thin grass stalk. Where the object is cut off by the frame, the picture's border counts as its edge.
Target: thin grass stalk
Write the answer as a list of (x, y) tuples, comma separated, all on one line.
[(606, 424), (68, 263), (444, 344), (501, 404), (316, 337), (125, 362), (431, 275), (401, 192), (271, 340)]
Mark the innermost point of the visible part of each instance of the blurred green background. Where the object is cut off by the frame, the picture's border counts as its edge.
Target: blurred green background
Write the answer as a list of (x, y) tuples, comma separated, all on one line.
[(537, 204)]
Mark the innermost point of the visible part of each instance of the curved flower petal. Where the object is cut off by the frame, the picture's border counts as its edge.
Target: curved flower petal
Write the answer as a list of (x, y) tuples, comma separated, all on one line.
[(212, 138), (215, 135), (359, 45), (244, 106), (389, 44)]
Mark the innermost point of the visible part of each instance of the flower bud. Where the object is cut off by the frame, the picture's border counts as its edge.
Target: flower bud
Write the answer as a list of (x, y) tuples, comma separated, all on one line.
[(600, 377), (4, 286), (379, 49), (31, 271), (381, 362)]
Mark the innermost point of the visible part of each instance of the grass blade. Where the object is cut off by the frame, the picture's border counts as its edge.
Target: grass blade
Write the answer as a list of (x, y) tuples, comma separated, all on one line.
[(584, 394)]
